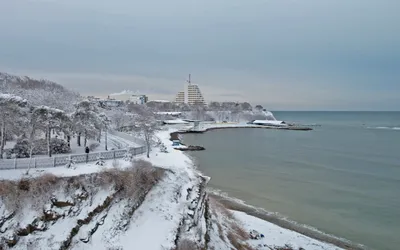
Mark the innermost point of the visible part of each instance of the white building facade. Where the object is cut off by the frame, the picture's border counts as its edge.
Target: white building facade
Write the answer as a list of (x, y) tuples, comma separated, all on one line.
[(191, 94), (138, 99), (130, 96), (180, 97)]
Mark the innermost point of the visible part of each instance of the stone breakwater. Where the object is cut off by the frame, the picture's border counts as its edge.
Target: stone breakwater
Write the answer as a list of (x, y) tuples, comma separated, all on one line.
[(175, 135)]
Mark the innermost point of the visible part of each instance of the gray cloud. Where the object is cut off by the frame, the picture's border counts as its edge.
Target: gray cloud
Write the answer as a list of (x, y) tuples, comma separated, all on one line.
[(286, 54)]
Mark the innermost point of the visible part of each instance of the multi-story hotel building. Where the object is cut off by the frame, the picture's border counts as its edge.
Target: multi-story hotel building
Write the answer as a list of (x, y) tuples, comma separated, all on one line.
[(191, 94)]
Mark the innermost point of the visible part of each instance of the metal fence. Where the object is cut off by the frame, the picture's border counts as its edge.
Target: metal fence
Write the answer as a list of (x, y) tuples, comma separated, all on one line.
[(48, 162)]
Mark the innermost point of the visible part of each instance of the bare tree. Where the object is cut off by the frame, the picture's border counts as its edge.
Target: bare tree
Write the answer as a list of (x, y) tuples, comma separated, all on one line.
[(214, 106), (120, 118), (146, 125), (199, 111), (104, 125)]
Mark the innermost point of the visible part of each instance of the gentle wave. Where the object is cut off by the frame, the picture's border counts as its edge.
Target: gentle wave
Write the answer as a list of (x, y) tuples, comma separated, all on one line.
[(387, 128), (225, 195), (278, 216)]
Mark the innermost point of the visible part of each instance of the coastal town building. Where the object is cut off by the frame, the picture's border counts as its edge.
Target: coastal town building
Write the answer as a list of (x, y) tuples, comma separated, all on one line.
[(138, 99), (130, 96), (106, 103), (122, 96), (110, 103), (191, 94), (180, 97)]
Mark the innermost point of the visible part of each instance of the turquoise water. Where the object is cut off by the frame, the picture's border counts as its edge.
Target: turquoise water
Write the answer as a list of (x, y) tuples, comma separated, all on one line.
[(342, 178)]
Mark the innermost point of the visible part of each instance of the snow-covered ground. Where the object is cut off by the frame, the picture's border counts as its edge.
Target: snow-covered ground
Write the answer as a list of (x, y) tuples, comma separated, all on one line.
[(113, 141), (176, 121), (78, 169), (278, 236), (175, 160), (153, 225)]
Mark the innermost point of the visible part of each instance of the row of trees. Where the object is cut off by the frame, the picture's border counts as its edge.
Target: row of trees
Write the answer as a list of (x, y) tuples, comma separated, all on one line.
[(29, 122), (32, 110), (212, 106)]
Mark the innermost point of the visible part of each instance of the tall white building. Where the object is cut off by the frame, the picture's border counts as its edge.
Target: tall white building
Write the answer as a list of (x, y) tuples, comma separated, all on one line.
[(191, 94), (180, 97)]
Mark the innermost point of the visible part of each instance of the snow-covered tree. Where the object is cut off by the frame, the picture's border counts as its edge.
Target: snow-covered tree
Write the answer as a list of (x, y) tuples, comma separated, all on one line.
[(214, 106), (68, 129), (146, 125), (34, 122), (246, 106), (120, 118), (11, 108), (48, 119), (104, 124), (85, 118), (259, 107)]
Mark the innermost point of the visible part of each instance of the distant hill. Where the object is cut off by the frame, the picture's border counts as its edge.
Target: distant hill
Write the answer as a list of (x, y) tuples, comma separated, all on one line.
[(26, 82), (38, 92)]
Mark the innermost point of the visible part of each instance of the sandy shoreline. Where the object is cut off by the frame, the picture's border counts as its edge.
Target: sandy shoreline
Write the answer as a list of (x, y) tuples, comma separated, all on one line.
[(320, 236)]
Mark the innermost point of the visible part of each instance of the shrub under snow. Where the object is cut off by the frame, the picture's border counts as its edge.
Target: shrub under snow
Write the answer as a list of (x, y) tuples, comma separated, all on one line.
[(93, 146), (133, 182), (21, 149), (58, 146)]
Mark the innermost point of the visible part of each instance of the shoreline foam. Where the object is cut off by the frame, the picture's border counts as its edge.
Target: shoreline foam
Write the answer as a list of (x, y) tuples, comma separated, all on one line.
[(274, 218)]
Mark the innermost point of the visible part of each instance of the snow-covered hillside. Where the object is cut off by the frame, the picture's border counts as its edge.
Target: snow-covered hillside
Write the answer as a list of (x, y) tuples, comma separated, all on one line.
[(38, 92), (115, 208)]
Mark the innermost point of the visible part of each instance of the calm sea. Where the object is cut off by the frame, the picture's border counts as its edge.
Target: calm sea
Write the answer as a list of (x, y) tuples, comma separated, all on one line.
[(342, 178)]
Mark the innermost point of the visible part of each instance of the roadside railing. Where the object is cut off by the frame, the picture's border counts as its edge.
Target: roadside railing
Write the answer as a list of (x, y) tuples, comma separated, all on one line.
[(48, 162)]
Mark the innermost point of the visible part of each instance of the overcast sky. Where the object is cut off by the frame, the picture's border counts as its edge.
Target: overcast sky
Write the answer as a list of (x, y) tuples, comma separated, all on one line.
[(284, 54)]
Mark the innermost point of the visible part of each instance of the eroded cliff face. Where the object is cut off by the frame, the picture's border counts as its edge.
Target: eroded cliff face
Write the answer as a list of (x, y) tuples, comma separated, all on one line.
[(55, 215), (141, 207), (51, 212)]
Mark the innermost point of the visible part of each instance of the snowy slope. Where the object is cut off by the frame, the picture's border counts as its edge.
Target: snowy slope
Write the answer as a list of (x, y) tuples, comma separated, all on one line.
[(147, 224)]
